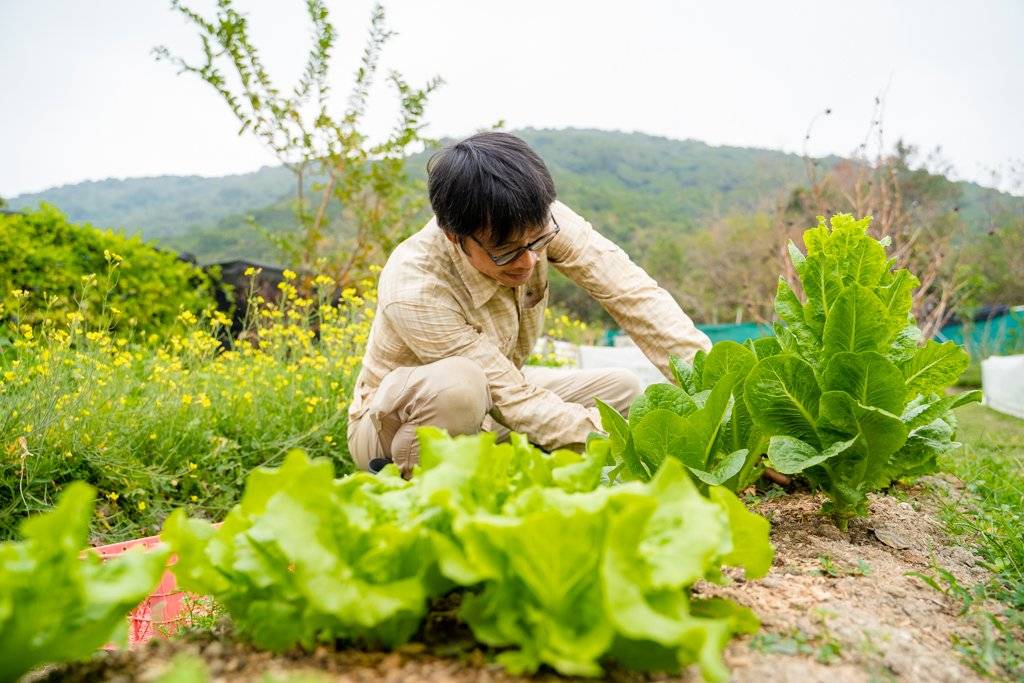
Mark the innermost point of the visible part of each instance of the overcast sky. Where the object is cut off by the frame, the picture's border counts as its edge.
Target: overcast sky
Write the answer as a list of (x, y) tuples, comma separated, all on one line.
[(83, 99)]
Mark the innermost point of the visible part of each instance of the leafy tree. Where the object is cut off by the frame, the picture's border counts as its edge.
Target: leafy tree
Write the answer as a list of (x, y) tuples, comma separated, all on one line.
[(341, 177)]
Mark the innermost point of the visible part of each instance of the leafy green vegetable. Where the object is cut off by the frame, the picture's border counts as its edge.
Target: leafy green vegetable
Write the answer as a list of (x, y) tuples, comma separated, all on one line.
[(852, 400), (844, 393), (304, 557), (563, 570), (56, 605), (704, 423)]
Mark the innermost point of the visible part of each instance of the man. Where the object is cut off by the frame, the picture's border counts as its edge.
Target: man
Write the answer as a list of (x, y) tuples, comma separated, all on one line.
[(461, 304)]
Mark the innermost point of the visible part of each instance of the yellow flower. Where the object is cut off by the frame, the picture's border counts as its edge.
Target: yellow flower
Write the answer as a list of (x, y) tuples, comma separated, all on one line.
[(192, 467), (194, 499), (186, 399), (250, 271), (113, 496), (142, 505), (289, 275), (152, 436)]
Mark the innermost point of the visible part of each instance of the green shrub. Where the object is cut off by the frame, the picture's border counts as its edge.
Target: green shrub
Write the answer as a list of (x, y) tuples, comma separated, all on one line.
[(51, 265)]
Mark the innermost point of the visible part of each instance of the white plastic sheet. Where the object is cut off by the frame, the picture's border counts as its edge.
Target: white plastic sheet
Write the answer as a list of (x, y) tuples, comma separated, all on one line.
[(1002, 381), (621, 357)]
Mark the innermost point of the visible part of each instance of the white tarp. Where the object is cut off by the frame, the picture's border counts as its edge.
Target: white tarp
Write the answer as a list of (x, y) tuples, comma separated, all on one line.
[(1002, 381), (623, 355)]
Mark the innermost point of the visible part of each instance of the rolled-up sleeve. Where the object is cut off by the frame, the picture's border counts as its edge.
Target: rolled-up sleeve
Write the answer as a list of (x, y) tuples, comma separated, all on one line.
[(647, 312), (434, 331)]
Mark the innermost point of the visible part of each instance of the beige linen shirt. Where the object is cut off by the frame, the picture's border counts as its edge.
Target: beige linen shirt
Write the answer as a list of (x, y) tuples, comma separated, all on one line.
[(433, 304)]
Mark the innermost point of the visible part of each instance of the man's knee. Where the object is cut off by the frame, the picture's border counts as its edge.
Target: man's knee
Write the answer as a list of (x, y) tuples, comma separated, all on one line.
[(459, 396), (623, 386)]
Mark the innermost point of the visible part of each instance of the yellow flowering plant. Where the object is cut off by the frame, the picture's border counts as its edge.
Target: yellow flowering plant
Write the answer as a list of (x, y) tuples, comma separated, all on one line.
[(559, 326), (179, 419)]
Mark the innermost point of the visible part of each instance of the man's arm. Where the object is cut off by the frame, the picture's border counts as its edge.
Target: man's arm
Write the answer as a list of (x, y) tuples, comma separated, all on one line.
[(435, 331), (648, 313)]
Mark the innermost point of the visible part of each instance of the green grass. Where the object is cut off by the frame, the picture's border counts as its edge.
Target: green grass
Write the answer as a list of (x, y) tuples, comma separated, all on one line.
[(990, 518), (971, 379)]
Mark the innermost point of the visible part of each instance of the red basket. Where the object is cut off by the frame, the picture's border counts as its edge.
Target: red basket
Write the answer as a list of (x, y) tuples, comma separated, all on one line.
[(159, 614), (165, 610)]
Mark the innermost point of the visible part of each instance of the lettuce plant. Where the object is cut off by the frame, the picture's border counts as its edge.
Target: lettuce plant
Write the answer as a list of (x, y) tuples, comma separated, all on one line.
[(305, 557), (855, 400), (845, 393), (557, 568), (56, 605), (704, 422)]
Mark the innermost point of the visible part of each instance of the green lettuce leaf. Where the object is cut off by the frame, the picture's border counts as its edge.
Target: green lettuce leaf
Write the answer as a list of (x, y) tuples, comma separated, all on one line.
[(560, 570), (56, 605)]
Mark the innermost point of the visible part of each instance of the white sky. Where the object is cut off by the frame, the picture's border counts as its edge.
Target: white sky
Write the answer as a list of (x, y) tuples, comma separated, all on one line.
[(82, 98)]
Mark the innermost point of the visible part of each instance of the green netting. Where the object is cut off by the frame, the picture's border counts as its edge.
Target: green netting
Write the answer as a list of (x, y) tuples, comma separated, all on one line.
[(737, 333), (1001, 335)]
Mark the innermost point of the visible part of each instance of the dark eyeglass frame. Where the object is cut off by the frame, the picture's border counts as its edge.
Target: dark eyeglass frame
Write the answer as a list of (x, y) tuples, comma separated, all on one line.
[(536, 245)]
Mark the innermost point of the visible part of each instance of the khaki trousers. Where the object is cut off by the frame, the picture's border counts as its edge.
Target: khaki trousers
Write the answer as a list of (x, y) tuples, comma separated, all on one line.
[(452, 394)]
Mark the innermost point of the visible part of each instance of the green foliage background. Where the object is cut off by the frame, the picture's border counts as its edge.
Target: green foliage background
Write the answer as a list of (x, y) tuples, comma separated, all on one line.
[(692, 214), (47, 256)]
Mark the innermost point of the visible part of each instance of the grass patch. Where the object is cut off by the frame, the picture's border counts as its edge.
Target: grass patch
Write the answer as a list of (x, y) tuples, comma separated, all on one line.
[(990, 518), (971, 379)]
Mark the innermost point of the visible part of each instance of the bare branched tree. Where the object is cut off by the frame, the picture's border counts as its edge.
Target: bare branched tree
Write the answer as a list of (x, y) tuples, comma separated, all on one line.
[(905, 205)]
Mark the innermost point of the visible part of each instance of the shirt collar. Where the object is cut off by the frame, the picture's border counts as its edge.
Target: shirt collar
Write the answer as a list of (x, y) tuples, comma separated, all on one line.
[(480, 287)]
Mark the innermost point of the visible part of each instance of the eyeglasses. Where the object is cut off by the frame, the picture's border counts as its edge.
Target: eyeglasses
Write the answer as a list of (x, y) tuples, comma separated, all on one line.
[(509, 257)]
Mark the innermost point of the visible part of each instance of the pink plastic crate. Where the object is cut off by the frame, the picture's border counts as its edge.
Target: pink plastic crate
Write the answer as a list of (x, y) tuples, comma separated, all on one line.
[(164, 611), (159, 614)]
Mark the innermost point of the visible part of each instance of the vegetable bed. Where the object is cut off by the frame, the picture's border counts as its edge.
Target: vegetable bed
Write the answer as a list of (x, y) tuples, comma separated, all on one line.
[(639, 554), (854, 616)]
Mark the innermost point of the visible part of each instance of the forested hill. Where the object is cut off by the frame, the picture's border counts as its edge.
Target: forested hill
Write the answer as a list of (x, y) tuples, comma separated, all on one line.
[(628, 184), (164, 206)]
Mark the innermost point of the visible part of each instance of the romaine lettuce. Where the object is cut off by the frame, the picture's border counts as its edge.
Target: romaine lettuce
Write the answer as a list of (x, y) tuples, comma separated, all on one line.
[(845, 393)]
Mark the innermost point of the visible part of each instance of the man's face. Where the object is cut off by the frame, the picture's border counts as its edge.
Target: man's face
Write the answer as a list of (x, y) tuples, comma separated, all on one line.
[(480, 248)]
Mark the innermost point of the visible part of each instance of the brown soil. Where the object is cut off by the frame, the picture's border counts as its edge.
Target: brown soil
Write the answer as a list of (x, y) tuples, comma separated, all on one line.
[(836, 607), (848, 597)]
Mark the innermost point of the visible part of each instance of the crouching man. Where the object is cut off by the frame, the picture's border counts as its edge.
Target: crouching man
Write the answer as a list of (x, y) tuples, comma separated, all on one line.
[(461, 304)]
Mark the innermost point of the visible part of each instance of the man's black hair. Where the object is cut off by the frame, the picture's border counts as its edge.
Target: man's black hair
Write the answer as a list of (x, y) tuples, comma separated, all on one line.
[(492, 185)]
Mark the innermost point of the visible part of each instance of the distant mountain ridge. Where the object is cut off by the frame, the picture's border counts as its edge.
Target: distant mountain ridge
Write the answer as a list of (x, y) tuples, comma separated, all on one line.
[(627, 184), (163, 206)]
